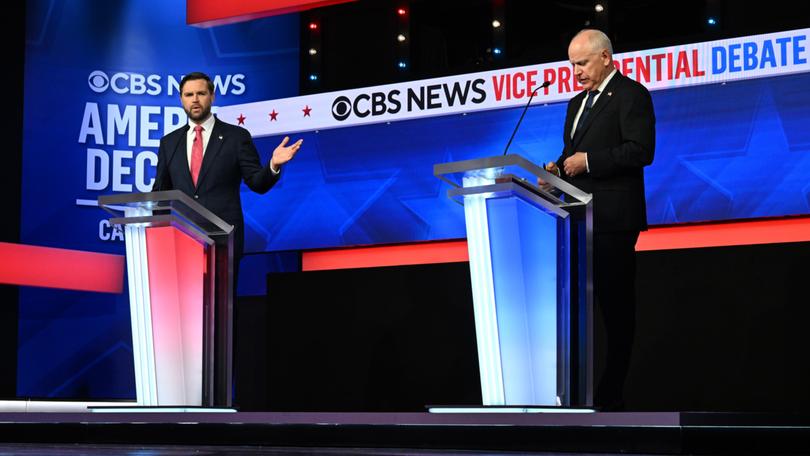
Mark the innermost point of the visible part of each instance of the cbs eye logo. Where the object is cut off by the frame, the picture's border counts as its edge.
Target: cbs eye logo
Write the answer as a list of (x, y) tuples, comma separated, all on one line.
[(341, 108), (98, 81)]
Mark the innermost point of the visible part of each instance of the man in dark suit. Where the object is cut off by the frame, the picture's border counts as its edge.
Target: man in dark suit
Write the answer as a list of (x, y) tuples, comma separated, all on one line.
[(609, 138), (208, 159)]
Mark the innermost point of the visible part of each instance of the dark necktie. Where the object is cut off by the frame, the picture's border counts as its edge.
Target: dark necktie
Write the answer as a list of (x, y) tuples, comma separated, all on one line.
[(588, 105)]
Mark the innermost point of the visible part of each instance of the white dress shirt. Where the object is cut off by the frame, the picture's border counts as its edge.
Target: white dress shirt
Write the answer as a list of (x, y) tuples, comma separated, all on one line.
[(207, 125)]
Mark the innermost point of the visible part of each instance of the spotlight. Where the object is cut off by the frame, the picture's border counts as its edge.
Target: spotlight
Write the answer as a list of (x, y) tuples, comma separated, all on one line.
[(496, 51), (598, 7), (402, 11), (313, 77), (402, 65), (400, 38), (313, 51), (313, 26), (711, 21), (496, 23)]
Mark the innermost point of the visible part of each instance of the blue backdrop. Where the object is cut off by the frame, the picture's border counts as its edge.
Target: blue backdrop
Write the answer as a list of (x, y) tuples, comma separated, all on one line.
[(724, 151), (100, 91)]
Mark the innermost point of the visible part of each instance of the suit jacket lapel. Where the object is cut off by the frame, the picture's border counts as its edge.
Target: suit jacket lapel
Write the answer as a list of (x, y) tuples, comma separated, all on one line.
[(182, 160), (211, 151), (572, 113), (604, 99)]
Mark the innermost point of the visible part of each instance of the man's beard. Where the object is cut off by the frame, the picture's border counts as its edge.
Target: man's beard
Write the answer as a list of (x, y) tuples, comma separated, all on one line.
[(202, 116)]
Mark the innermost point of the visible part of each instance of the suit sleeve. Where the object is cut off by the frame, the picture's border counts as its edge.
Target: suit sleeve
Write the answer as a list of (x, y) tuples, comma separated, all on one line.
[(163, 180), (570, 112), (637, 127), (258, 178), (559, 161)]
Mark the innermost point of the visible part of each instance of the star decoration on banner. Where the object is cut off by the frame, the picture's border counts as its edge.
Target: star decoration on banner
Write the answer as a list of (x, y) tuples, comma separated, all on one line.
[(306, 110), (241, 119), (273, 116)]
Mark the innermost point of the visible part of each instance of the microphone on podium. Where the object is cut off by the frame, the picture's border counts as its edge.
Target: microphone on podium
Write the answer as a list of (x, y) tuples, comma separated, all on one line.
[(534, 92)]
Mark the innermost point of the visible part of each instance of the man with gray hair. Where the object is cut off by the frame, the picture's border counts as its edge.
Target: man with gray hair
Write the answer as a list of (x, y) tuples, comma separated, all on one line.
[(609, 137)]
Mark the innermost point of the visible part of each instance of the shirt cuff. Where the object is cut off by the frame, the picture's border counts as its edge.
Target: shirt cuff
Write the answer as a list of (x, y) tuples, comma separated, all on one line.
[(587, 168)]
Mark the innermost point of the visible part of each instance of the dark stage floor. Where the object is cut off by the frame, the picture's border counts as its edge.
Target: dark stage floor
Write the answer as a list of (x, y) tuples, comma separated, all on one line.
[(133, 450), (147, 434)]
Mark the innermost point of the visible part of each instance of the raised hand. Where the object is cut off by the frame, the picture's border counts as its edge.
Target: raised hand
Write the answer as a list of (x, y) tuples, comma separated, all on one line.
[(284, 153)]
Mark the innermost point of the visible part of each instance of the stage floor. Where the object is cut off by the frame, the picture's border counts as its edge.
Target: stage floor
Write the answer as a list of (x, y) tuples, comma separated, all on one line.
[(174, 450), (402, 433)]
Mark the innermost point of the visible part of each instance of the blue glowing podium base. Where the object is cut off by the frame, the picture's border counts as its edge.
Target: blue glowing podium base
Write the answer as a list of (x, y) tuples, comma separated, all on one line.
[(530, 264)]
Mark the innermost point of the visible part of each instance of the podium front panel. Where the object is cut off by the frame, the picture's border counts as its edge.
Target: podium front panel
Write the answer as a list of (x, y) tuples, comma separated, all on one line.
[(179, 266), (176, 269), (530, 264), (525, 256)]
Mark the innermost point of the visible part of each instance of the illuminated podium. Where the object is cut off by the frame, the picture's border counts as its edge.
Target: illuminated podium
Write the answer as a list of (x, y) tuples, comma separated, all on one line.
[(180, 275), (530, 265)]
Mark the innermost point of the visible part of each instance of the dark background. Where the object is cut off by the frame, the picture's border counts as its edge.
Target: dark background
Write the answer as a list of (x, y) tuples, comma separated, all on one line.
[(719, 329), (11, 79), (359, 48), (375, 339), (722, 329)]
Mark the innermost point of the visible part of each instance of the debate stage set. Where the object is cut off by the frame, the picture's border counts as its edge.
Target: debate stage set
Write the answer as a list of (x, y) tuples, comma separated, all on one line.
[(416, 282)]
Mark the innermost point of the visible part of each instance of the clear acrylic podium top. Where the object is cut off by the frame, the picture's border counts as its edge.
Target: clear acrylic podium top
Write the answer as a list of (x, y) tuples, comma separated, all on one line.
[(510, 174), (170, 207)]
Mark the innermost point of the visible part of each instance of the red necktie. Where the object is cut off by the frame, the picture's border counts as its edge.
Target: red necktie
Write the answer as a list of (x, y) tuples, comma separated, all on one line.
[(196, 154)]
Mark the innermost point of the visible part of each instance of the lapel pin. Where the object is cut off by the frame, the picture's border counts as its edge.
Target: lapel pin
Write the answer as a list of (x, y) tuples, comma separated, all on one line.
[(220, 136), (610, 94)]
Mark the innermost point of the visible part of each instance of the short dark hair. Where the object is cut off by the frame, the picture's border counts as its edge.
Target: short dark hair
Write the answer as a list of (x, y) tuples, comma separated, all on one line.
[(193, 77)]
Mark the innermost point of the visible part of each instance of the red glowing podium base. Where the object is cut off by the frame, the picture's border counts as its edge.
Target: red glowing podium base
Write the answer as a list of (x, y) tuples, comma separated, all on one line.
[(180, 273)]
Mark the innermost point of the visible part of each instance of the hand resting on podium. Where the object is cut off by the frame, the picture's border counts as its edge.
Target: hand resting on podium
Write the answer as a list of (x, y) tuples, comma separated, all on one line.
[(545, 186)]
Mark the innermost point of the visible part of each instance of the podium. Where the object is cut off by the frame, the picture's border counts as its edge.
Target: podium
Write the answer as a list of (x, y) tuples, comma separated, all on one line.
[(180, 275), (530, 265)]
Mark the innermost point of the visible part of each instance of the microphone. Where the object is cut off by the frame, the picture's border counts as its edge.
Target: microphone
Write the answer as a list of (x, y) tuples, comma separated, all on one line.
[(534, 92)]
